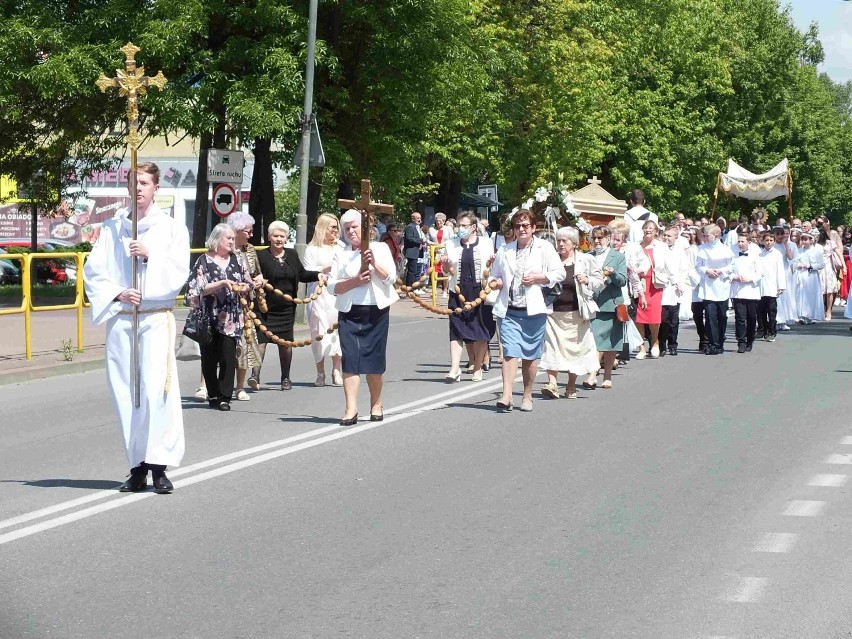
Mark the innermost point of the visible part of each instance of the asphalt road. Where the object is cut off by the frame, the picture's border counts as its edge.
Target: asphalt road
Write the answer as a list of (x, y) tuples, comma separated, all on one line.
[(701, 497)]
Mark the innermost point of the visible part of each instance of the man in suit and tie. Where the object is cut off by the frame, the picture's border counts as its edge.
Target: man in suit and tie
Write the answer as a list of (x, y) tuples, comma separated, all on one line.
[(414, 241)]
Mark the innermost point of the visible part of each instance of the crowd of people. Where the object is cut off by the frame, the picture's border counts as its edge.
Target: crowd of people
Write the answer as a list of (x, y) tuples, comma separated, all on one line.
[(545, 301)]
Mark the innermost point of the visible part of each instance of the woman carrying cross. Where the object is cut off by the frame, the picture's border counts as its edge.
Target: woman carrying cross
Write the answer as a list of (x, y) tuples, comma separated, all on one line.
[(364, 296)]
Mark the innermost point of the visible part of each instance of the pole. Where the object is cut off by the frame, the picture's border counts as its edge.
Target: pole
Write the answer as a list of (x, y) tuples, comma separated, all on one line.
[(307, 121), (305, 168), (134, 275)]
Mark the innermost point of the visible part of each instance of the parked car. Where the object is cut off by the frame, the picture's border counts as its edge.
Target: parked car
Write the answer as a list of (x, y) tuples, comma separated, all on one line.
[(9, 273)]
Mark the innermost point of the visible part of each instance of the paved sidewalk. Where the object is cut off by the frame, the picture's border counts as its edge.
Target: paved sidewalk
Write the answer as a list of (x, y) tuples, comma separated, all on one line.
[(49, 329)]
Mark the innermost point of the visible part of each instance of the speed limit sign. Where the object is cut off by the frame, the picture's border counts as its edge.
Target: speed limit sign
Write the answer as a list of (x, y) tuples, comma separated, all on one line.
[(224, 199)]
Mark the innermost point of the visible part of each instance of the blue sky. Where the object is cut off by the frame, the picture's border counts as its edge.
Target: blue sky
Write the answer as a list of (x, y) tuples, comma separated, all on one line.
[(834, 18)]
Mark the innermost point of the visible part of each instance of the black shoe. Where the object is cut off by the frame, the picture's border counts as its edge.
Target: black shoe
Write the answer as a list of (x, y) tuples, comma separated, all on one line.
[(162, 485), (286, 384), (748, 348), (741, 348), (377, 418), (672, 350), (349, 421), (214, 402), (224, 406), (486, 366), (506, 408), (137, 480)]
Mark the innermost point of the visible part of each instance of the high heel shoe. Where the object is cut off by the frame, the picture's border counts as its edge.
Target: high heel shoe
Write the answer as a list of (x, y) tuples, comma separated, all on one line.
[(349, 421), (477, 376), (377, 418), (452, 379)]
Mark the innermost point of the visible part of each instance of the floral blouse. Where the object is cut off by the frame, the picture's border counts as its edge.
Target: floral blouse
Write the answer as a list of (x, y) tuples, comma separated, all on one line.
[(223, 305)]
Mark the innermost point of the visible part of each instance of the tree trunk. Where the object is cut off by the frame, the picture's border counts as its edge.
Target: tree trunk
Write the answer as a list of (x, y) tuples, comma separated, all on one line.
[(262, 199), (202, 201)]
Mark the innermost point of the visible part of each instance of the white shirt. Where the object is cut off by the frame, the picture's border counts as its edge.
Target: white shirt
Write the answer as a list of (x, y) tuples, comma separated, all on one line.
[(678, 264), (719, 257), (633, 218), (750, 267), (774, 275), (347, 264)]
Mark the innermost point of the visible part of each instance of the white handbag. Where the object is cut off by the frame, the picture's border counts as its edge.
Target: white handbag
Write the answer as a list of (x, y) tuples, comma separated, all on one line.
[(187, 350)]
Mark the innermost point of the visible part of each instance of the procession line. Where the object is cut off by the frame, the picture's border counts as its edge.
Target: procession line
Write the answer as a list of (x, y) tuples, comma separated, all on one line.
[(479, 388)]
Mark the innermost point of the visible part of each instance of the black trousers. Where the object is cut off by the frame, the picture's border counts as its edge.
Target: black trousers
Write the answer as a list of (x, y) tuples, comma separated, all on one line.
[(412, 270), (218, 365), (716, 322), (767, 314), (698, 318), (669, 327), (745, 318)]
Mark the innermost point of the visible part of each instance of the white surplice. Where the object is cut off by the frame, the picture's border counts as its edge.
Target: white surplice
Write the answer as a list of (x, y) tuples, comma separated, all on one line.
[(322, 313), (809, 298), (153, 432), (787, 311)]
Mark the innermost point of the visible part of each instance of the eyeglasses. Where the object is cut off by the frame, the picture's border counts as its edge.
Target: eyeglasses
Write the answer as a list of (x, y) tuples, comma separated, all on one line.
[(465, 226), (522, 226), (599, 238)]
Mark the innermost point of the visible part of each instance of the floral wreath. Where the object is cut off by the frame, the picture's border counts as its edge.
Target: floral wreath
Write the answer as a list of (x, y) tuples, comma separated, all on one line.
[(554, 205)]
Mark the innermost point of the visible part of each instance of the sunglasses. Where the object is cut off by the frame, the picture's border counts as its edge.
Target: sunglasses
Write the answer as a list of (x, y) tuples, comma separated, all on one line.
[(522, 226)]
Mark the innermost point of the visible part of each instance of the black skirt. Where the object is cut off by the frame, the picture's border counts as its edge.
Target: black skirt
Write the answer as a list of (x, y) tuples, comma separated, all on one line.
[(363, 332), (477, 325), (280, 321)]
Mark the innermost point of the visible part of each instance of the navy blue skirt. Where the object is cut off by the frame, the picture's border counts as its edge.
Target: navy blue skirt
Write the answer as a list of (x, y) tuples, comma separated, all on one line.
[(363, 332)]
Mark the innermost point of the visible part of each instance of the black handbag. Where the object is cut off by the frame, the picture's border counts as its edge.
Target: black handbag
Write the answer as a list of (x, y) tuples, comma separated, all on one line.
[(550, 293), (198, 328)]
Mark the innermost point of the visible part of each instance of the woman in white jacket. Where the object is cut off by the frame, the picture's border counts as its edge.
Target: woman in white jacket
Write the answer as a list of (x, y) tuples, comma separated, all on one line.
[(569, 343), (466, 263), (520, 271)]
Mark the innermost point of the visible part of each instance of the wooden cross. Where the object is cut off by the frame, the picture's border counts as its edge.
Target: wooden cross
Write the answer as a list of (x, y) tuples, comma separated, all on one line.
[(131, 83), (366, 206)]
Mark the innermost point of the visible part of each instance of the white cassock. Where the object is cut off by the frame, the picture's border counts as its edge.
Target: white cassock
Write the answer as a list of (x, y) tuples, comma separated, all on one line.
[(153, 433), (787, 311), (322, 313), (808, 286)]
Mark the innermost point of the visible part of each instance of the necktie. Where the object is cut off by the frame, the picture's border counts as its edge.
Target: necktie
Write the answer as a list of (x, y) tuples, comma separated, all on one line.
[(743, 254)]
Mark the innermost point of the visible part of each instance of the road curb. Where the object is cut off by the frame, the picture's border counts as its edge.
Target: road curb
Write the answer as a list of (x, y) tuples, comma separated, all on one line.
[(21, 375)]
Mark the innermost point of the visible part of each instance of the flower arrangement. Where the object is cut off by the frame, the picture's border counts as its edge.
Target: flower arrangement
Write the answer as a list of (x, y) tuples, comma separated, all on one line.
[(556, 207)]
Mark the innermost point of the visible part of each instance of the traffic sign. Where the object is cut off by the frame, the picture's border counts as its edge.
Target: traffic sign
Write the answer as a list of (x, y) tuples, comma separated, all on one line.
[(317, 157), (224, 165), (224, 200)]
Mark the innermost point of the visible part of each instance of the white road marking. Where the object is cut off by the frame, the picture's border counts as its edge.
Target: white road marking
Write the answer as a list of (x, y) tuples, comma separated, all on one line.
[(847, 441), (747, 590), (829, 481), (479, 388), (803, 508), (776, 542), (839, 459)]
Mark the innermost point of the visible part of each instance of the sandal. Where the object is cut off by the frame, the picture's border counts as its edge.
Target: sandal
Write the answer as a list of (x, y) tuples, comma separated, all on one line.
[(550, 392), (607, 384), (571, 394)]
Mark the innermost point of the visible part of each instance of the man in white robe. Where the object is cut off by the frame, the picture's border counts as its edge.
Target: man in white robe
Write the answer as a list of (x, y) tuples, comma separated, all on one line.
[(787, 311), (772, 286), (714, 264), (153, 433)]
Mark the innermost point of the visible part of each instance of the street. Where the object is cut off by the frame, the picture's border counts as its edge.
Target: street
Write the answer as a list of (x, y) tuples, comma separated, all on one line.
[(701, 497)]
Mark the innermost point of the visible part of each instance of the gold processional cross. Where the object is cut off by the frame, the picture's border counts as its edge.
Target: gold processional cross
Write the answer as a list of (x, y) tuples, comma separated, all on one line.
[(131, 83), (366, 206)]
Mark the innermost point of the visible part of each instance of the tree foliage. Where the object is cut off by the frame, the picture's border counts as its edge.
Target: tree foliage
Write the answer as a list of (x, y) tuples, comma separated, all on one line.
[(425, 95)]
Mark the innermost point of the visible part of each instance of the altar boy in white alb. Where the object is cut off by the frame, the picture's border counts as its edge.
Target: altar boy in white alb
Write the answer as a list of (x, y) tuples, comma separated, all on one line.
[(153, 433)]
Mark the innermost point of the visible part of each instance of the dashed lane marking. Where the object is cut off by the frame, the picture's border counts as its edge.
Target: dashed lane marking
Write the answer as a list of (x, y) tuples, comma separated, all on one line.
[(747, 590), (840, 459), (829, 481), (776, 542), (803, 508)]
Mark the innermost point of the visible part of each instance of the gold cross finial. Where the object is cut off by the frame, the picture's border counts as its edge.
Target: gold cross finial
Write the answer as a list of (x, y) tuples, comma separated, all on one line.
[(131, 83)]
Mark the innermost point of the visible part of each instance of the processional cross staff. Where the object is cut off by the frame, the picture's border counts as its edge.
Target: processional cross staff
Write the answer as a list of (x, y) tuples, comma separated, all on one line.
[(365, 204), (131, 83)]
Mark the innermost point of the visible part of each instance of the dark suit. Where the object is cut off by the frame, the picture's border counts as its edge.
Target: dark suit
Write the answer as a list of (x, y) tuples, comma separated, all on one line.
[(412, 250)]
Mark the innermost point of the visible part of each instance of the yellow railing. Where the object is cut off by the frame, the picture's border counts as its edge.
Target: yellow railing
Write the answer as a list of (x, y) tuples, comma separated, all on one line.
[(435, 278), (27, 306)]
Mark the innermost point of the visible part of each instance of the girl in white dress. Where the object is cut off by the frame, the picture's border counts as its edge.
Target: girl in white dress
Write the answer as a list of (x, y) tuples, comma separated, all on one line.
[(808, 286), (322, 313)]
